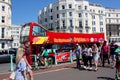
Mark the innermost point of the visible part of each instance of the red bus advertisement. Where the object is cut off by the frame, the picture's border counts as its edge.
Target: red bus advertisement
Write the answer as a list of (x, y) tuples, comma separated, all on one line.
[(61, 42)]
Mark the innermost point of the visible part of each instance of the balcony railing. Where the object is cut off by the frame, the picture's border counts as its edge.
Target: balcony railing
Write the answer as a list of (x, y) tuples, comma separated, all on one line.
[(8, 38)]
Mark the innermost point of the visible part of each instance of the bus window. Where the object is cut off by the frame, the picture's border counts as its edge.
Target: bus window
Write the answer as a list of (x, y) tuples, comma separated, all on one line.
[(38, 31), (25, 33)]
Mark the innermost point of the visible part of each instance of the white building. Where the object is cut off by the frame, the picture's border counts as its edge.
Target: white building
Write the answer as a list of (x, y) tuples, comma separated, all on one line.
[(15, 32), (81, 16), (73, 16), (5, 25)]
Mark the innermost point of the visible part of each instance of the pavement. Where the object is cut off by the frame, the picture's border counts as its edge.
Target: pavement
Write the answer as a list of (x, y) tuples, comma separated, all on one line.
[(104, 73), (5, 69)]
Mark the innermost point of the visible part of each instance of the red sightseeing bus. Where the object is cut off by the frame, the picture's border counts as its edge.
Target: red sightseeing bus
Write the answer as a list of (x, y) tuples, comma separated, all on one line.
[(62, 42)]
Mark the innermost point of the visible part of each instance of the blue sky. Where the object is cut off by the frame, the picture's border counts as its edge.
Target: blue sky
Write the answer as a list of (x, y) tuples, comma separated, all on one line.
[(27, 10)]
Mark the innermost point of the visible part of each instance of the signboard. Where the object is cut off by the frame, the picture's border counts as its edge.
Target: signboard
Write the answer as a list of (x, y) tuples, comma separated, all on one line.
[(64, 38), (39, 40)]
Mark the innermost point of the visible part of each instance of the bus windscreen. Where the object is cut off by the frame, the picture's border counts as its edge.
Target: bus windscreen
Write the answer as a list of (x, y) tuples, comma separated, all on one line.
[(38, 31), (25, 33)]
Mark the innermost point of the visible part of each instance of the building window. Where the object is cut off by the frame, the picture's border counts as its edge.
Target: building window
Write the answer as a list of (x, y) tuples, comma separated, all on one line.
[(101, 29), (86, 15), (80, 15), (3, 8), (71, 23), (51, 17), (3, 19), (3, 45), (117, 33), (79, 7), (51, 10), (57, 24), (93, 23), (117, 20), (57, 8), (70, 5), (101, 17), (109, 20), (86, 22), (101, 11), (63, 14), (93, 16), (98, 11), (116, 15), (3, 31), (63, 6), (63, 23), (70, 13), (51, 25), (80, 24), (45, 19), (57, 15), (94, 29), (101, 23), (110, 33), (85, 7)]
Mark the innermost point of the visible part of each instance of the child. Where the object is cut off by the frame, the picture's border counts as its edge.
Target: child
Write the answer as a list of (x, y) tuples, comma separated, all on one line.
[(118, 61)]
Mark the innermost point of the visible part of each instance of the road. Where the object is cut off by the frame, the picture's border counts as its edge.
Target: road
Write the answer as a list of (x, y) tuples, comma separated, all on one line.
[(65, 71), (70, 73)]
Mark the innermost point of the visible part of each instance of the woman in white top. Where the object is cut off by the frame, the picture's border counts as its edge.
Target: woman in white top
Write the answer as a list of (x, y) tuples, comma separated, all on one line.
[(95, 56)]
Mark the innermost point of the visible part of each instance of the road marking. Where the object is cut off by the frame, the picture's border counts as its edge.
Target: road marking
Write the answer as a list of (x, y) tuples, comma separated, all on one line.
[(4, 73), (50, 71)]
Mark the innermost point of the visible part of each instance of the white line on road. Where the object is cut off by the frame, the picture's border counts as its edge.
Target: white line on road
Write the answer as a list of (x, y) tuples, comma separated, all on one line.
[(50, 71)]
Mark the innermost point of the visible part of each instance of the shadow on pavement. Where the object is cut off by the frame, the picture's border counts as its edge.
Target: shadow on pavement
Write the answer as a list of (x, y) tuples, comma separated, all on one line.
[(105, 78)]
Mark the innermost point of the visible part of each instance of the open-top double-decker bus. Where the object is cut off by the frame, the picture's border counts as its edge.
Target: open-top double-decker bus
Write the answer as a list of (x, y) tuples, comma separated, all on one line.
[(62, 42)]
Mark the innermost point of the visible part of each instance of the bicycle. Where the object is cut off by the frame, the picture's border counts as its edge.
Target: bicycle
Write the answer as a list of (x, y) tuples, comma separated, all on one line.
[(41, 64)]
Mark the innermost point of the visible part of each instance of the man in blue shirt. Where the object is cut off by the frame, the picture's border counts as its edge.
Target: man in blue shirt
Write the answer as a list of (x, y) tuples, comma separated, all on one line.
[(78, 52)]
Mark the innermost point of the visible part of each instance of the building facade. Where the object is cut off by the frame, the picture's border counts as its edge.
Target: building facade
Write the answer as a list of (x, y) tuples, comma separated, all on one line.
[(5, 25), (15, 32), (73, 16), (113, 24), (81, 16)]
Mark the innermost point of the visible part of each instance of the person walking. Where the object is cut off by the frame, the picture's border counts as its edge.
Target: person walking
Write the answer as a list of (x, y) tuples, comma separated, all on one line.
[(113, 47), (27, 59), (77, 53), (106, 53), (84, 55), (21, 66), (100, 53), (95, 56), (89, 57)]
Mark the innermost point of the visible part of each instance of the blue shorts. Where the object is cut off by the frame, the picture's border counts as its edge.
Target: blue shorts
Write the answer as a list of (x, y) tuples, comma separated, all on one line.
[(113, 56)]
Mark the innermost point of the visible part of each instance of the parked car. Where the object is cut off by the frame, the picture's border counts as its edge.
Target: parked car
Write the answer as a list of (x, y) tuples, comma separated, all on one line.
[(13, 51), (5, 56)]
